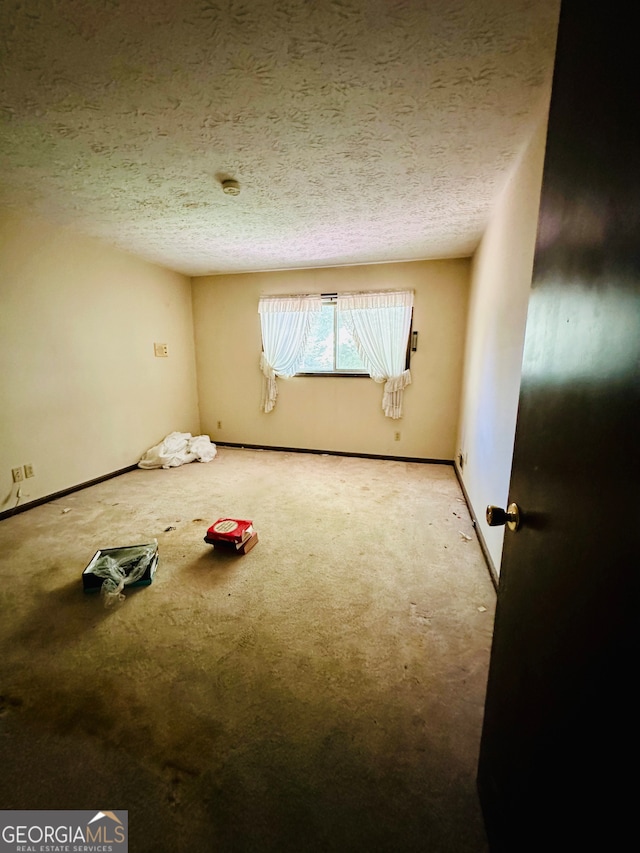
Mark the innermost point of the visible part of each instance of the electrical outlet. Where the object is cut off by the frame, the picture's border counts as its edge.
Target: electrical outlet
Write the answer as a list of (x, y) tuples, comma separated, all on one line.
[(396, 436), (16, 473), (160, 350), (28, 470), (219, 424)]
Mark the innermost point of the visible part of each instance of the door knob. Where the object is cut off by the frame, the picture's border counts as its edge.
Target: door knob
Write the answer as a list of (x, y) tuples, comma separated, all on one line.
[(497, 516)]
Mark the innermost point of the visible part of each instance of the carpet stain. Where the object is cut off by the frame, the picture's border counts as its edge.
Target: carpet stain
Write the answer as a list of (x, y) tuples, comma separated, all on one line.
[(176, 774), (9, 703)]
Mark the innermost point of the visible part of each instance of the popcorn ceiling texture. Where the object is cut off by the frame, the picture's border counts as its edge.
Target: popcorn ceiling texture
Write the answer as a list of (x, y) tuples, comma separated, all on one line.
[(359, 130)]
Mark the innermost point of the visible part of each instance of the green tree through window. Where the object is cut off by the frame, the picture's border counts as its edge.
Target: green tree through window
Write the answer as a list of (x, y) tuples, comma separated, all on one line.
[(330, 347)]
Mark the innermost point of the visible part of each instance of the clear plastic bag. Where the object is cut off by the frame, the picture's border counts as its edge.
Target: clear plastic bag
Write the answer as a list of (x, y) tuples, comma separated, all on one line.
[(121, 568)]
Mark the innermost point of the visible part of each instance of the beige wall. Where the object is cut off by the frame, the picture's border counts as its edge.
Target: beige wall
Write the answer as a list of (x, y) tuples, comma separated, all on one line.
[(501, 280), (82, 394), (331, 413)]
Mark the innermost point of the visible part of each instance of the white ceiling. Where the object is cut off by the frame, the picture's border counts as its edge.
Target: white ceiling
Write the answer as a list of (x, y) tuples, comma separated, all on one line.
[(359, 130)]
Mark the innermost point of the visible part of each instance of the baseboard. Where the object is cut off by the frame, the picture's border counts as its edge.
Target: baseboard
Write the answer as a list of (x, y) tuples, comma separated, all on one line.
[(336, 453), (493, 574), (39, 501)]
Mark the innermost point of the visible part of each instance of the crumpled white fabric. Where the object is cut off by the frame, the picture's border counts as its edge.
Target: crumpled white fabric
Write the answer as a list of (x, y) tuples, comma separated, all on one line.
[(179, 448)]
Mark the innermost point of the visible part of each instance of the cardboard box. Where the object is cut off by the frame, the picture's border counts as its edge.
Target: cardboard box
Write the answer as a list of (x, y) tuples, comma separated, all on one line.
[(92, 582)]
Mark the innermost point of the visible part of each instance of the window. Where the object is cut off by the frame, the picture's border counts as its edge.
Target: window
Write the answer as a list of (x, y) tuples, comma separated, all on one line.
[(316, 335), (330, 348)]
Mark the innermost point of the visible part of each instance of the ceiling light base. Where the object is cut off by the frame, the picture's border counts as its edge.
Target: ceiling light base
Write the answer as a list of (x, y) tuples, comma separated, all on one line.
[(231, 187)]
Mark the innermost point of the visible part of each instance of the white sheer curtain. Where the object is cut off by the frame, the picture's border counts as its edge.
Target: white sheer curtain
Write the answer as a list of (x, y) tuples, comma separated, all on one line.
[(380, 324), (285, 326)]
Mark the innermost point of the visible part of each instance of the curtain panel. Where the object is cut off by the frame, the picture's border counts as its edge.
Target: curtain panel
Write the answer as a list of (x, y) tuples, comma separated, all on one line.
[(284, 322), (380, 323)]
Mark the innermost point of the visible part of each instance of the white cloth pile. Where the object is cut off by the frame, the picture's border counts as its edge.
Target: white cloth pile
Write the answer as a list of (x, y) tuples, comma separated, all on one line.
[(178, 448)]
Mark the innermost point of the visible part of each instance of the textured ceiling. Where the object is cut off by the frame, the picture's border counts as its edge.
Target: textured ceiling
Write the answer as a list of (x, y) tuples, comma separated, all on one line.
[(359, 130)]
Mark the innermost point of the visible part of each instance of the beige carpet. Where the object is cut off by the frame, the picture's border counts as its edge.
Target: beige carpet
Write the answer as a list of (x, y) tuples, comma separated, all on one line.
[(322, 693)]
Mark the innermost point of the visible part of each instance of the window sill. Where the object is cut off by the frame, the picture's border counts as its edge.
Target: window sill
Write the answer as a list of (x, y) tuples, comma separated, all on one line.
[(336, 374)]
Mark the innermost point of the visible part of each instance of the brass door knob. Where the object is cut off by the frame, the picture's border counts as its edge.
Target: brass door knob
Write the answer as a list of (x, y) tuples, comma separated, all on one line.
[(496, 516)]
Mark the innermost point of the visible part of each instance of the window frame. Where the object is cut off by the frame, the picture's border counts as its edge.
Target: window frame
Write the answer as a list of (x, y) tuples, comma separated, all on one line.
[(358, 374), (332, 299)]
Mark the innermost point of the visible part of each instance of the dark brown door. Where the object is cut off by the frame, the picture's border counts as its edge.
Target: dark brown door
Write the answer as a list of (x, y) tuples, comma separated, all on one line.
[(557, 763)]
